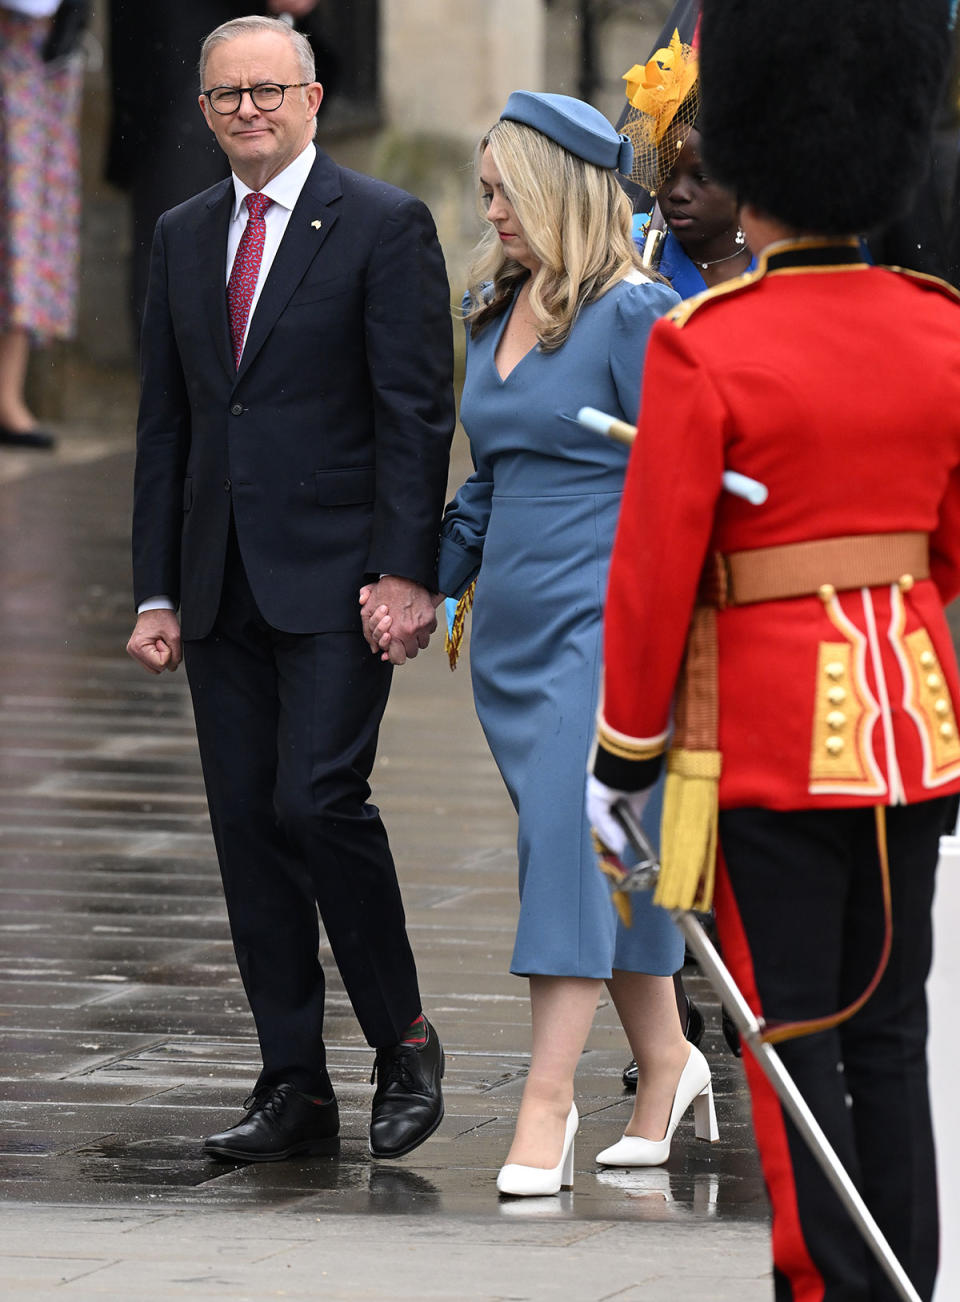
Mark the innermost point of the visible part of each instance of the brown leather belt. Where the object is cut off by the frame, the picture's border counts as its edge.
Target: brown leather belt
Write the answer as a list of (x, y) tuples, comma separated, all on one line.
[(818, 567), (688, 836)]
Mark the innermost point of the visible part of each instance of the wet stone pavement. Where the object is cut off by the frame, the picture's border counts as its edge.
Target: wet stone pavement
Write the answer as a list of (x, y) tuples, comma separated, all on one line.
[(124, 1034)]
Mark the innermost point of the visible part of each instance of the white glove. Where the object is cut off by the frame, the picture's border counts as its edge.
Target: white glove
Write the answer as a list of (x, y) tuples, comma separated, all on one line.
[(600, 802)]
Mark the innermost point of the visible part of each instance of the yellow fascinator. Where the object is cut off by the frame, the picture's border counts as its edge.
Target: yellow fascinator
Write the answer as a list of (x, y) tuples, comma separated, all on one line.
[(663, 102)]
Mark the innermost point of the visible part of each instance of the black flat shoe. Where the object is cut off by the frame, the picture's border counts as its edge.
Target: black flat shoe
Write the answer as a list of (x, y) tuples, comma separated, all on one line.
[(408, 1103), (281, 1122), (692, 1032), (31, 438)]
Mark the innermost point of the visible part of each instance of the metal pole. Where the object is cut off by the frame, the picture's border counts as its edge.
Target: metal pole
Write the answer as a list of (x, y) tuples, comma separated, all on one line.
[(751, 1030)]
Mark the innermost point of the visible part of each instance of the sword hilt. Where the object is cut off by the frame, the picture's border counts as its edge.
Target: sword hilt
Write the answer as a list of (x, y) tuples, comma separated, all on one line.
[(643, 875)]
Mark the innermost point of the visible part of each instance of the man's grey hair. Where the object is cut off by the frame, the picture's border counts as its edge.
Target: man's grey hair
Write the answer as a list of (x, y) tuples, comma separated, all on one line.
[(248, 27)]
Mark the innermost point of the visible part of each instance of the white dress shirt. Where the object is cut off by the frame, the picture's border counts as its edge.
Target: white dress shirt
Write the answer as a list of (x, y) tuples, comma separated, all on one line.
[(284, 191)]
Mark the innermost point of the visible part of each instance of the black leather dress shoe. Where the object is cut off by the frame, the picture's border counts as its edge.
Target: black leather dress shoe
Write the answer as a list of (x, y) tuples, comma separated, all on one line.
[(281, 1122), (692, 1032), (408, 1103), (32, 438)]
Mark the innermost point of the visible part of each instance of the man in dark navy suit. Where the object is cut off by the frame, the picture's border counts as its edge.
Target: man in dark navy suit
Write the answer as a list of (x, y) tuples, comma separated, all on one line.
[(159, 149), (292, 446)]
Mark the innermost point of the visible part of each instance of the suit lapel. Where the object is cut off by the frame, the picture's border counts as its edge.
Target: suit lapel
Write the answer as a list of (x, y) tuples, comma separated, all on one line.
[(302, 241), (211, 245)]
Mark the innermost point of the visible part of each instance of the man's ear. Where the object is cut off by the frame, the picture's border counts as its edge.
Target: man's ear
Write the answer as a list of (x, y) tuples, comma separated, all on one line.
[(206, 110)]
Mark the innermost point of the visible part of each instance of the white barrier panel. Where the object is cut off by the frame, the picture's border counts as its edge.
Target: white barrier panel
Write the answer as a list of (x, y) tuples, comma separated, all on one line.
[(943, 994)]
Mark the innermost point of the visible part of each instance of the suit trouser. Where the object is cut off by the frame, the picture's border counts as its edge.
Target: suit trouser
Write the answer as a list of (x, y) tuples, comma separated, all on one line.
[(799, 914), (287, 726)]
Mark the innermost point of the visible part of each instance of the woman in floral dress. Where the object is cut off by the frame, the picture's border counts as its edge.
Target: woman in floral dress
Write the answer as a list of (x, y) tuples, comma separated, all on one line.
[(39, 204)]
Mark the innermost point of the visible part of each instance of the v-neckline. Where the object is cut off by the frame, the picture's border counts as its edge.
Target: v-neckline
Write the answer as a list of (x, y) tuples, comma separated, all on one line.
[(499, 336)]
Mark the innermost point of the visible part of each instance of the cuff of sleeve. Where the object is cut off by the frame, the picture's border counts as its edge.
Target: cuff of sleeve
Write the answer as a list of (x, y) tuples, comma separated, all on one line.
[(457, 567), (624, 774), (374, 573), (155, 603)]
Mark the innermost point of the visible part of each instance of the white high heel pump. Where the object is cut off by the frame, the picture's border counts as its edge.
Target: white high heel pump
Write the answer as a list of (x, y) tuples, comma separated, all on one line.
[(532, 1181), (694, 1086)]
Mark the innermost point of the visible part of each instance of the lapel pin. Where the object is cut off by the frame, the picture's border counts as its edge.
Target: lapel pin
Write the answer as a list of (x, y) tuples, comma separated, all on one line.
[(317, 224)]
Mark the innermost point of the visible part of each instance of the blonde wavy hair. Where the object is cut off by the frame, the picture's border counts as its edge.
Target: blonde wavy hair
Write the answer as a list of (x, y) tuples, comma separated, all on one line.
[(576, 220)]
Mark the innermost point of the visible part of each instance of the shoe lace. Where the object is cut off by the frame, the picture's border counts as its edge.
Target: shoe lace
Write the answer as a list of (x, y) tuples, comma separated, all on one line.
[(272, 1100), (395, 1069)]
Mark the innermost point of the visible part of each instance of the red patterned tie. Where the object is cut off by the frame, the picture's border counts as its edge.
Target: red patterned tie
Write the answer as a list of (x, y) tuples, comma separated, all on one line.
[(246, 268)]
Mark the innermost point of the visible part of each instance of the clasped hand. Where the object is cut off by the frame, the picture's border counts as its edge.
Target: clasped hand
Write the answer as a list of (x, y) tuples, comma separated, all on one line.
[(398, 617)]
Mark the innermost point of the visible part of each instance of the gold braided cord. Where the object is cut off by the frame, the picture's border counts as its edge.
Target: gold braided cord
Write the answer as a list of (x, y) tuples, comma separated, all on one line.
[(688, 831), (663, 103), (688, 828), (454, 637)]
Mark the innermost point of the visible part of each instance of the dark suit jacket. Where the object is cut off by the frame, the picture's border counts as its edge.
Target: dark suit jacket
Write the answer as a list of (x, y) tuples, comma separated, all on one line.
[(331, 442)]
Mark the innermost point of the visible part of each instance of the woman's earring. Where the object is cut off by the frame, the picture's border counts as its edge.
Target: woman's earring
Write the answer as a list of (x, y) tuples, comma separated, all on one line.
[(740, 239)]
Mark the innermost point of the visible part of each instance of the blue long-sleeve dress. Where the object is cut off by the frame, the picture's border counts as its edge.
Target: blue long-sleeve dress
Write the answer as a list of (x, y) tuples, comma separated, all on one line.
[(675, 264), (540, 512)]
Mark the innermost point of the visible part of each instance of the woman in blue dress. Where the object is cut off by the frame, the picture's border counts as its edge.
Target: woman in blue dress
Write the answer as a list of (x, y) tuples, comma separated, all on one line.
[(704, 245), (557, 318)]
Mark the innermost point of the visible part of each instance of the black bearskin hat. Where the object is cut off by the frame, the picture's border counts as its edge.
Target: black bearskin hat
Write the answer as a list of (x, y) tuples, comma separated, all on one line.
[(820, 112)]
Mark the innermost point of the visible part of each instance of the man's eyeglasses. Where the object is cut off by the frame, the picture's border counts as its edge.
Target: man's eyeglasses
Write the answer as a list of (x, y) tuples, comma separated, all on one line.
[(267, 97)]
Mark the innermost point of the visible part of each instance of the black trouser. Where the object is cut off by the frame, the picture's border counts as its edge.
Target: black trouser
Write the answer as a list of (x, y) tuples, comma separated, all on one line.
[(799, 912), (287, 726)]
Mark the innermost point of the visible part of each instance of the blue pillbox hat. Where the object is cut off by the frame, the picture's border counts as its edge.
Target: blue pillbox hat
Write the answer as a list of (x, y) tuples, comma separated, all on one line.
[(572, 124)]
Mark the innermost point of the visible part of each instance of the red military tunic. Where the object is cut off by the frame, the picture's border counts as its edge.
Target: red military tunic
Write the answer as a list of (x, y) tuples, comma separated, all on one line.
[(837, 385)]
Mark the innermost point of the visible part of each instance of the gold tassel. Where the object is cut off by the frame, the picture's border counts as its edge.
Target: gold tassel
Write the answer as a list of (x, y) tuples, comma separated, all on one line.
[(688, 831), (454, 637), (614, 871)]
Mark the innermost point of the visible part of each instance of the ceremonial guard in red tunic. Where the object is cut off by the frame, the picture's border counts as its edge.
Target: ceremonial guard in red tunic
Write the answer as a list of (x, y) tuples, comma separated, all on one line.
[(791, 662)]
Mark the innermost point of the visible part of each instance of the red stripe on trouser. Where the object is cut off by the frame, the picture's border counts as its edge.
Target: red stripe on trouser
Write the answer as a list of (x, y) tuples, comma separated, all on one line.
[(790, 1253)]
